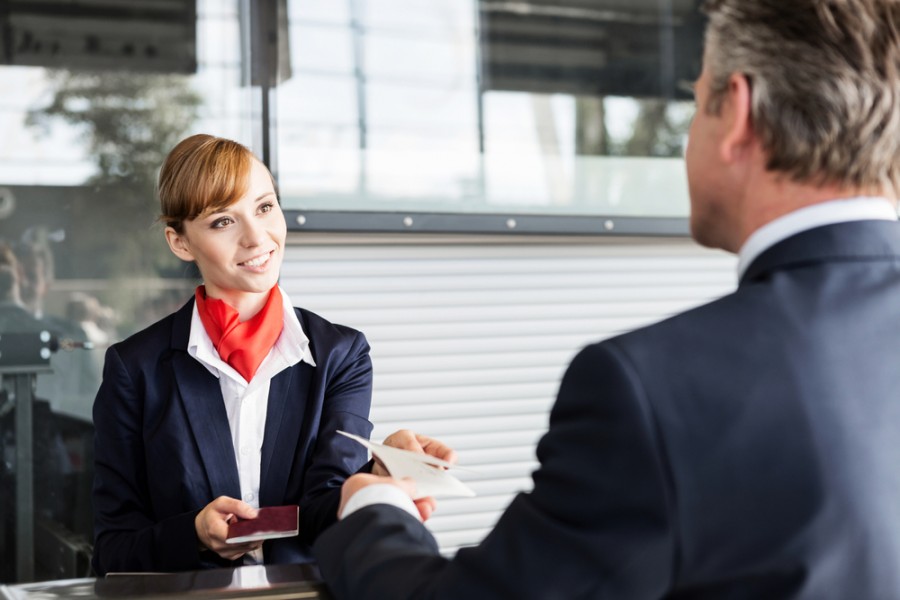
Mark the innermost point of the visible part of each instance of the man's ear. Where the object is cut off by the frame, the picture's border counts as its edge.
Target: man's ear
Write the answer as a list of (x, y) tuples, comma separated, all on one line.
[(739, 133), (177, 245)]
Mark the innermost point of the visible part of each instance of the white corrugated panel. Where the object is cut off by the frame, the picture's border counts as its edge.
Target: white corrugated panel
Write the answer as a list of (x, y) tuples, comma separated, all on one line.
[(470, 340)]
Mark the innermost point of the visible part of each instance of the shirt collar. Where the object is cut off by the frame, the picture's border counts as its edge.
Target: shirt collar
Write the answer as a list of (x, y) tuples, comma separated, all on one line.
[(293, 342), (863, 208), (292, 345)]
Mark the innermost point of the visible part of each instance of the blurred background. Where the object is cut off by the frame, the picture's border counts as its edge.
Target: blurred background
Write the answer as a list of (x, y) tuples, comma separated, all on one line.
[(481, 187)]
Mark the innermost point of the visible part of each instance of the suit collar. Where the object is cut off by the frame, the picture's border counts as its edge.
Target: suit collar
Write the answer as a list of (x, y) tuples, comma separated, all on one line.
[(181, 326), (201, 397), (858, 240), (284, 419), (843, 210), (288, 392)]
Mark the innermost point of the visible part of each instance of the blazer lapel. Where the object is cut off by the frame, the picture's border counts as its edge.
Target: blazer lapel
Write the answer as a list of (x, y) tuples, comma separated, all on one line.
[(284, 418), (201, 397)]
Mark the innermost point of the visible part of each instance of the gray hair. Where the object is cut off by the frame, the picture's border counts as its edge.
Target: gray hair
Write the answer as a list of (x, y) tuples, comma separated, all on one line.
[(825, 80)]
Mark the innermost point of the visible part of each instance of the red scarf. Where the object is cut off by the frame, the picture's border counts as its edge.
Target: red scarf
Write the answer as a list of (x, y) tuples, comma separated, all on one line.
[(241, 345)]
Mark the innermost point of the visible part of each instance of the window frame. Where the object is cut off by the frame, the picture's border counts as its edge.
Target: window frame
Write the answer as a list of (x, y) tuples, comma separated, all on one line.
[(264, 22)]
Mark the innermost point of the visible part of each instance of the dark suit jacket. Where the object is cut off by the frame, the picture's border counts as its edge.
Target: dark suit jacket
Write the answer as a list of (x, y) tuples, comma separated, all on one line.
[(748, 448), (163, 447)]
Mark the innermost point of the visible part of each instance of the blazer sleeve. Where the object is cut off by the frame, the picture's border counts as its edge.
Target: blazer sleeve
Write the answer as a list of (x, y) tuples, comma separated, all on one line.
[(126, 536), (598, 522), (348, 397)]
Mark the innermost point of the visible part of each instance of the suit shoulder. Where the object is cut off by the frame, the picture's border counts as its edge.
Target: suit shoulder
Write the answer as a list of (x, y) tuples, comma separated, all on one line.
[(699, 324), (147, 341), (333, 344)]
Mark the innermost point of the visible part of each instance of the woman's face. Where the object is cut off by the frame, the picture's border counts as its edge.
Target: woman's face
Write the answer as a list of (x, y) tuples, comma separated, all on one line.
[(240, 248)]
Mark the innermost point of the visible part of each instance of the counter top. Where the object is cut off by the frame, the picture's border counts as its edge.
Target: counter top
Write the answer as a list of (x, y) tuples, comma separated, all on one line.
[(262, 581)]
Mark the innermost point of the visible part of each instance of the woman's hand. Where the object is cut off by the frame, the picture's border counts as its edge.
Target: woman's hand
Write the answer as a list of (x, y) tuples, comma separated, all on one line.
[(415, 442), (406, 439), (212, 526)]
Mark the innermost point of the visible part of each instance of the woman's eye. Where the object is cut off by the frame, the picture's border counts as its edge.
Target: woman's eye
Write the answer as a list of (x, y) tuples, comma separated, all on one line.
[(220, 223), (267, 207)]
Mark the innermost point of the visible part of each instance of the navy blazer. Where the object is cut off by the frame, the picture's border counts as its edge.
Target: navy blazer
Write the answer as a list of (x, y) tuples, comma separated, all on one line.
[(163, 447), (745, 449)]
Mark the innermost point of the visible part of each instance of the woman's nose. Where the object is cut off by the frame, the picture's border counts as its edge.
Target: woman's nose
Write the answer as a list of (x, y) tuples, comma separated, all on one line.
[(252, 234)]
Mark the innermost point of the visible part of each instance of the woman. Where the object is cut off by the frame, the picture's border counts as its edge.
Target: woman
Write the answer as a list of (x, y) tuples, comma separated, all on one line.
[(232, 402)]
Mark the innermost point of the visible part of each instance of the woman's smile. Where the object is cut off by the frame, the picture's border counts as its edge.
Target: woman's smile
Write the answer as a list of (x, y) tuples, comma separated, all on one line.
[(258, 263)]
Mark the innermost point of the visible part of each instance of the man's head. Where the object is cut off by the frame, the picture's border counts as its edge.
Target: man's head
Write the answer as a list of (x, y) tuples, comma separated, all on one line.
[(823, 83), (36, 273), (9, 285)]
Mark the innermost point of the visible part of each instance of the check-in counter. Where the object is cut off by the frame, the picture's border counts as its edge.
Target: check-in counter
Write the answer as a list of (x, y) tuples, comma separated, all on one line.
[(269, 581)]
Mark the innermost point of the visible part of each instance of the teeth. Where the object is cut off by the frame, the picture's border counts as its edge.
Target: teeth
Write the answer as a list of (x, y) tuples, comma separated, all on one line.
[(258, 261)]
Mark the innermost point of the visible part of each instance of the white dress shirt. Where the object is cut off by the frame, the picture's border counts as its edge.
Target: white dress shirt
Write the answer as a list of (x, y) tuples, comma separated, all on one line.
[(246, 403), (863, 208), (380, 493)]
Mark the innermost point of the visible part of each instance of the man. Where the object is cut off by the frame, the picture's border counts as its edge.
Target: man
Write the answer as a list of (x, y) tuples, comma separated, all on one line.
[(747, 448), (14, 318), (72, 384)]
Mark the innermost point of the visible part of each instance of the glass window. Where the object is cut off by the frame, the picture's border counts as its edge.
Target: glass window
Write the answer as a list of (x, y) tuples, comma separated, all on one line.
[(559, 108), (540, 108), (97, 93)]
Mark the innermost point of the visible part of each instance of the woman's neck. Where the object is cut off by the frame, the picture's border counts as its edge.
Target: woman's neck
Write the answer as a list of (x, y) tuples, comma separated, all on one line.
[(247, 304)]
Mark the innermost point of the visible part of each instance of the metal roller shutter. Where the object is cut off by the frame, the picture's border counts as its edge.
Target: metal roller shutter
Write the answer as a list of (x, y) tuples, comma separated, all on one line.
[(470, 340)]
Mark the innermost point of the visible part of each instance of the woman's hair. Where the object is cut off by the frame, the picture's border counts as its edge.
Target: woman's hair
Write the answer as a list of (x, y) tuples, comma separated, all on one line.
[(202, 174), (825, 84)]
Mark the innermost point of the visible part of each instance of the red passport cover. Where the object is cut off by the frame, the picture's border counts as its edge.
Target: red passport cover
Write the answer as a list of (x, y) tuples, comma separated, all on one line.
[(270, 522)]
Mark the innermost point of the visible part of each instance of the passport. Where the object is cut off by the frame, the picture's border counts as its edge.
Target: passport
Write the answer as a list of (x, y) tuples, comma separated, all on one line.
[(271, 522)]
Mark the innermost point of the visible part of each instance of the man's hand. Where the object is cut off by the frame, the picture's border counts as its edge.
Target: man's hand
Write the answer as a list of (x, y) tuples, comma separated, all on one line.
[(212, 526), (357, 482), (415, 442)]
